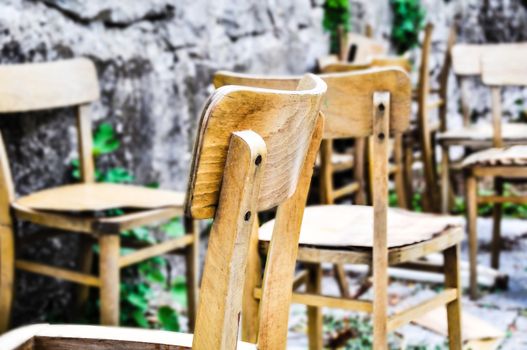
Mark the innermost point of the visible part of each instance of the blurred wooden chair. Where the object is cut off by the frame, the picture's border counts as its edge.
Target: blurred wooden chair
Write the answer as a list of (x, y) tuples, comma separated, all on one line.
[(420, 141), (255, 150), (73, 83), (360, 104), (499, 69), (466, 64)]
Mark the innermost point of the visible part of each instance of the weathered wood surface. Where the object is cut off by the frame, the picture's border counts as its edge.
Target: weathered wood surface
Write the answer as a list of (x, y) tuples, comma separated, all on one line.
[(47, 85)]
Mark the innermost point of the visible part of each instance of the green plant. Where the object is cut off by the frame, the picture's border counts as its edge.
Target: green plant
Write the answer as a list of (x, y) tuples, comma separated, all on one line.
[(336, 14), (137, 280), (408, 19)]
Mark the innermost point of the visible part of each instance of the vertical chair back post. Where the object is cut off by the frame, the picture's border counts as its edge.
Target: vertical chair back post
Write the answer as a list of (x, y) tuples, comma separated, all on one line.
[(264, 168)]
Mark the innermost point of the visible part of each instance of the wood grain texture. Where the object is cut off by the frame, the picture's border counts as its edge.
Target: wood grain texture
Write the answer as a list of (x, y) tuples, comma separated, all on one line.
[(349, 117), (281, 257), (381, 122), (350, 226), (70, 337), (85, 143), (280, 117), (100, 196), (218, 317), (27, 87)]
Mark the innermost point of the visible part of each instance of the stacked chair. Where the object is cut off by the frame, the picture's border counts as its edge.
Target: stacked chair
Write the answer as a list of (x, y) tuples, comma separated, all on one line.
[(466, 64), (500, 68), (359, 104), (255, 151)]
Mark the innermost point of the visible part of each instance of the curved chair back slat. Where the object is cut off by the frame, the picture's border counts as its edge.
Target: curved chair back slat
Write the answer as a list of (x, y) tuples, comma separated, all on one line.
[(30, 87), (284, 119), (502, 69), (348, 102), (466, 58)]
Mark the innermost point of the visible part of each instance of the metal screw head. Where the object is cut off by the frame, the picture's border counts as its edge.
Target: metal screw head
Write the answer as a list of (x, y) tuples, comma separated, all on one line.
[(247, 216)]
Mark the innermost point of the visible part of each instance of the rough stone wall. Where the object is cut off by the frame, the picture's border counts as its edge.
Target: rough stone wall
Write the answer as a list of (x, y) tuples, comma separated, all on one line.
[(155, 60)]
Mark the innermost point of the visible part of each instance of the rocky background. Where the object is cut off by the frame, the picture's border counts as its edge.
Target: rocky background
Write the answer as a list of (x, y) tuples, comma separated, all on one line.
[(155, 60)]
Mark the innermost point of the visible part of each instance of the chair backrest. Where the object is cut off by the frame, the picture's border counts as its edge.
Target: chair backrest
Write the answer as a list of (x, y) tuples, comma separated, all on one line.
[(348, 102), (255, 149), (40, 86), (500, 69), (359, 49), (374, 62), (466, 62)]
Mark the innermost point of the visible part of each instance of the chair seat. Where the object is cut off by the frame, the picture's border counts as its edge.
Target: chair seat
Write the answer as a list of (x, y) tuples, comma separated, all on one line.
[(350, 226), (511, 132), (97, 337), (100, 196), (509, 156)]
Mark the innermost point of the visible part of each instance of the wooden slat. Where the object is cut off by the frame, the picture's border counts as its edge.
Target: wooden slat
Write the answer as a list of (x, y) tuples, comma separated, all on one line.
[(326, 301), (467, 58), (502, 199), (300, 279), (128, 221), (26, 87), (509, 171), (57, 272), (101, 196), (412, 313), (346, 190), (64, 222), (276, 115), (499, 68), (84, 143), (156, 250)]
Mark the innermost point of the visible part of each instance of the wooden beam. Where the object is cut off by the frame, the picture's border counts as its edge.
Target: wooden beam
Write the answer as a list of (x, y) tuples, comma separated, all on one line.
[(410, 314), (47, 219), (57, 272), (125, 222), (346, 190), (326, 301), (300, 279), (502, 199), (155, 250)]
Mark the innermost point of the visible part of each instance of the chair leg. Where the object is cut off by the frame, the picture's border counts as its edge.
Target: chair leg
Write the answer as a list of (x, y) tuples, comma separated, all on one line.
[(192, 260), (445, 180), (110, 279), (496, 230), (408, 171), (85, 265), (253, 280), (453, 280), (314, 313), (472, 215), (7, 272), (402, 200), (342, 281)]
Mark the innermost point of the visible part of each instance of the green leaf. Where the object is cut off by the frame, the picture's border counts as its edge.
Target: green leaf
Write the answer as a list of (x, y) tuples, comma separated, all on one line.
[(104, 140), (174, 228), (140, 318), (179, 290), (168, 318), (138, 301), (117, 175)]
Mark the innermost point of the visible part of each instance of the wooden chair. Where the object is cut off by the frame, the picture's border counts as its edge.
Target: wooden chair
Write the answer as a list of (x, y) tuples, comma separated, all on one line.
[(499, 163), (420, 141), (255, 150), (361, 104), (73, 83), (466, 64)]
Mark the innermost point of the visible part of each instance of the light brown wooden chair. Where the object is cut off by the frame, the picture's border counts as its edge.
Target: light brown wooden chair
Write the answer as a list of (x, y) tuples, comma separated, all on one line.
[(466, 64), (255, 150), (499, 163), (73, 83), (360, 104)]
